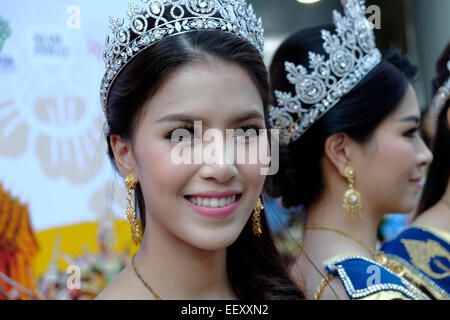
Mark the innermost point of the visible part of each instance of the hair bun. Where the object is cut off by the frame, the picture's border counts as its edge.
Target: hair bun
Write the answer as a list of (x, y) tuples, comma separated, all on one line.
[(401, 62)]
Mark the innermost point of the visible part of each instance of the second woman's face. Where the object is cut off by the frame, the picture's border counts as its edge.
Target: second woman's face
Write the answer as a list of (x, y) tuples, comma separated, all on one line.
[(206, 204), (391, 166)]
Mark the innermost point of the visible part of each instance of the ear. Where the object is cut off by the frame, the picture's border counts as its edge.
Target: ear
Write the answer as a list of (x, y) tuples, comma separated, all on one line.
[(123, 155), (337, 150)]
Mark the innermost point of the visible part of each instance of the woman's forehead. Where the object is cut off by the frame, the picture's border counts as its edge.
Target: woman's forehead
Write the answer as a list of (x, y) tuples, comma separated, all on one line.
[(206, 90)]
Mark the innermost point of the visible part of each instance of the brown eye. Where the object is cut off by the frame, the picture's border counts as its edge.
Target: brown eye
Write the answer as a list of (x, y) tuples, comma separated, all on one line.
[(248, 132), (411, 133), (181, 134)]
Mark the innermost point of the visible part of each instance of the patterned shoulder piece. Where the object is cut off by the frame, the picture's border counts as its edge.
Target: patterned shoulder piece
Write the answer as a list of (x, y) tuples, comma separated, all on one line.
[(425, 258), (363, 277)]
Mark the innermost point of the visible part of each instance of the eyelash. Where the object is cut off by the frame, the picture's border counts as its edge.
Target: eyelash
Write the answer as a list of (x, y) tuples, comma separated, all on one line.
[(180, 126), (191, 130), (249, 127), (410, 133)]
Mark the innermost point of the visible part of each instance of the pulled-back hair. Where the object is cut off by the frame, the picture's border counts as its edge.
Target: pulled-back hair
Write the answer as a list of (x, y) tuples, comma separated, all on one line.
[(358, 113)]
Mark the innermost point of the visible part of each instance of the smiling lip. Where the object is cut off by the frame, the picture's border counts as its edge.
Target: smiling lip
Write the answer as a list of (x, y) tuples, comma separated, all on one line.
[(219, 212), (417, 182), (215, 194)]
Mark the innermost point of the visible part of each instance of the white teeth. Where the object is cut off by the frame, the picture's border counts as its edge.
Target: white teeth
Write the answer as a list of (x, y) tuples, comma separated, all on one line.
[(212, 202), (222, 202)]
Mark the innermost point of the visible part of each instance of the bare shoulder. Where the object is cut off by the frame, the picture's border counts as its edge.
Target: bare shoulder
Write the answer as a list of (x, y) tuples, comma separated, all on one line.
[(334, 291), (111, 292), (123, 287), (309, 277)]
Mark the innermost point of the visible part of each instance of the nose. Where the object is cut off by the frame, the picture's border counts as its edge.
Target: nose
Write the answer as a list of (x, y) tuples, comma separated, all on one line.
[(219, 167), (221, 173), (424, 155)]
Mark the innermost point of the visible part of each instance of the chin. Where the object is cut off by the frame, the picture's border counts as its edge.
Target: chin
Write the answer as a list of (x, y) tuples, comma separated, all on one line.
[(213, 245), (407, 207), (400, 202), (214, 241)]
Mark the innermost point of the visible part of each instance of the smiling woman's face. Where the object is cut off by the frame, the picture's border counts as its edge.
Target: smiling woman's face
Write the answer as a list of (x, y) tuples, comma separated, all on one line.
[(203, 205), (390, 168)]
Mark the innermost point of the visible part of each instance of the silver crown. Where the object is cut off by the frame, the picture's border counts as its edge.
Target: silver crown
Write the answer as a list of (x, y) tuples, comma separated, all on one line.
[(172, 17), (352, 55), (439, 99)]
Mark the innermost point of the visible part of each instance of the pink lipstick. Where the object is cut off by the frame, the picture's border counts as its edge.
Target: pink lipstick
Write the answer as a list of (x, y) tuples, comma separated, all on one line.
[(213, 204), (417, 183)]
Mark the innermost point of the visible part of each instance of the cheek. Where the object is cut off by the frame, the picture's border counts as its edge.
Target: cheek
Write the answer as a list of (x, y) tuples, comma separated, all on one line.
[(161, 177), (253, 173), (396, 154), (385, 174), (387, 170)]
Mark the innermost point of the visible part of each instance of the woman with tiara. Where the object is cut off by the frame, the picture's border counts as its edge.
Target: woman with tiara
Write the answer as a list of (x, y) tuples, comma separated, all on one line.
[(176, 68), (349, 124), (421, 252)]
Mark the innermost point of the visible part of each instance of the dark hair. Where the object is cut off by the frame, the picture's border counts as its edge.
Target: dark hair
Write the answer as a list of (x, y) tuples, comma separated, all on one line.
[(256, 268), (439, 170), (358, 113)]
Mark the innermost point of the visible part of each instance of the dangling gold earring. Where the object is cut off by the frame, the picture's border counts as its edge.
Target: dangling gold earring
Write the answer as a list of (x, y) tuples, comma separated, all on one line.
[(352, 199), (256, 217), (130, 183)]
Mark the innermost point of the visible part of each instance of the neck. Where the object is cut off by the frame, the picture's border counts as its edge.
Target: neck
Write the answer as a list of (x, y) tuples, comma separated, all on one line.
[(177, 270), (321, 245), (328, 212)]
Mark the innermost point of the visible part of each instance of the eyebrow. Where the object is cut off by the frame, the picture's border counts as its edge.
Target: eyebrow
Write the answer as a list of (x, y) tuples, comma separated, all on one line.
[(177, 118), (253, 114), (186, 118), (415, 119)]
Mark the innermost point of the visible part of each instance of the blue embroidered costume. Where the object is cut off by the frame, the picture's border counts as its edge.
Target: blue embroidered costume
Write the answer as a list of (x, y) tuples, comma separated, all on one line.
[(365, 279), (422, 255)]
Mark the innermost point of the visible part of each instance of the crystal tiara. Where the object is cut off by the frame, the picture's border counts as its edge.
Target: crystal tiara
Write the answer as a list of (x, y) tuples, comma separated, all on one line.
[(352, 55), (439, 99), (156, 19)]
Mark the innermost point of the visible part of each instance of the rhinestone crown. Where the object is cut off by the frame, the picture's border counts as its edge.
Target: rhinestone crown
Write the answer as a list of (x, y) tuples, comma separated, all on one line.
[(352, 55), (156, 19), (439, 99)]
